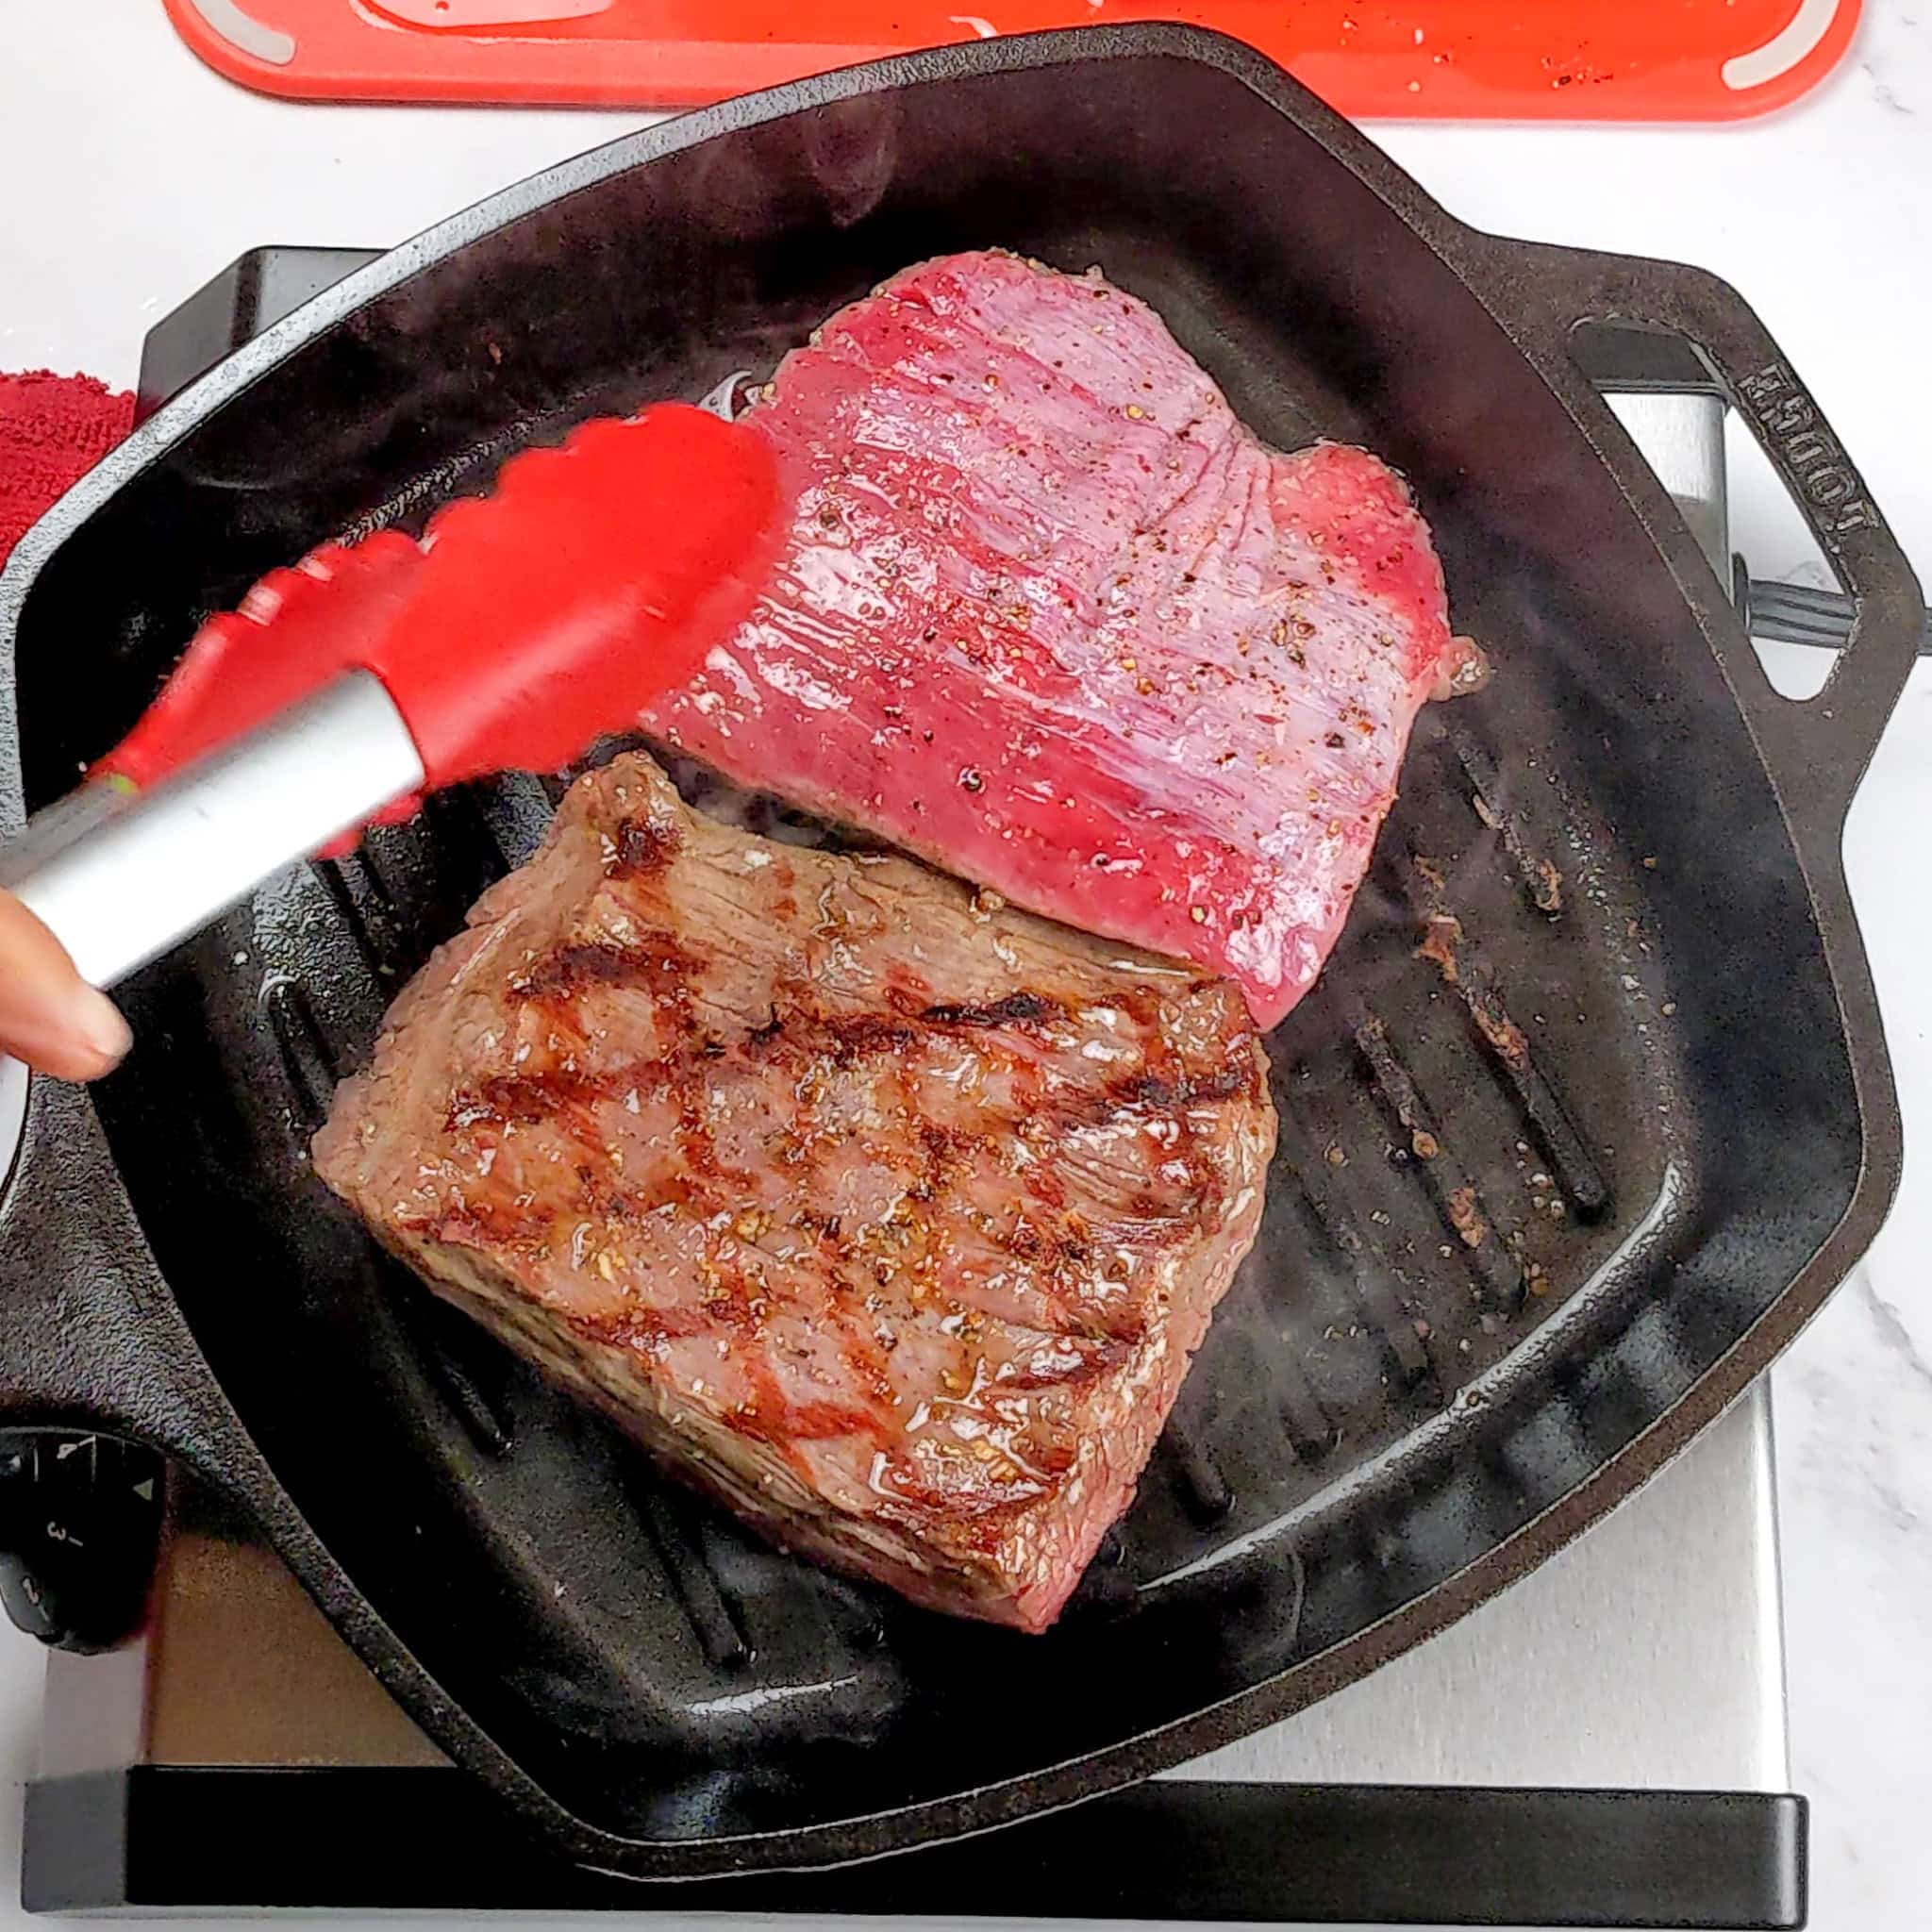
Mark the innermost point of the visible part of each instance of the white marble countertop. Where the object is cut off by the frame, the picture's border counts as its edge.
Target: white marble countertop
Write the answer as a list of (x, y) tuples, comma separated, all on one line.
[(135, 173)]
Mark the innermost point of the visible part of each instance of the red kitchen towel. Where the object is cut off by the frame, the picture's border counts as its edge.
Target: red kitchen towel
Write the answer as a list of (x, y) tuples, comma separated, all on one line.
[(52, 430)]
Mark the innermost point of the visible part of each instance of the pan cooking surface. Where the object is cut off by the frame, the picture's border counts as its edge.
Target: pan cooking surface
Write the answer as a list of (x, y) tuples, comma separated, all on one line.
[(1536, 1174)]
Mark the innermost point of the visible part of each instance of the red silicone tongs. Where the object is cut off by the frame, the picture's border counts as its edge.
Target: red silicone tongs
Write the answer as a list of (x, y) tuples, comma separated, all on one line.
[(523, 626)]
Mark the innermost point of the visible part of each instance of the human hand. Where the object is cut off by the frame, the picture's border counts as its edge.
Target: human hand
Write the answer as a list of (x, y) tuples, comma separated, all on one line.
[(50, 1017)]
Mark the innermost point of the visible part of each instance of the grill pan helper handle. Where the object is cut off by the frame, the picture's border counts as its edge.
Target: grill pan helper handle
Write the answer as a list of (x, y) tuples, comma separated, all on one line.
[(525, 625), (1816, 749)]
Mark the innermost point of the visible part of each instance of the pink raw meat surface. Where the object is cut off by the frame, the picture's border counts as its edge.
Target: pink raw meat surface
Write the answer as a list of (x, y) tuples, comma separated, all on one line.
[(1049, 615)]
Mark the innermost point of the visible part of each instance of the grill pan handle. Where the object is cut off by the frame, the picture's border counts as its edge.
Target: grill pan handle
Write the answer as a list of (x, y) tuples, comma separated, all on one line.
[(98, 1372), (89, 1338), (1817, 748)]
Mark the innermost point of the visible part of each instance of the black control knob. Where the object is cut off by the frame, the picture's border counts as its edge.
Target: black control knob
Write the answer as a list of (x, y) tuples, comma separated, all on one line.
[(80, 1521)]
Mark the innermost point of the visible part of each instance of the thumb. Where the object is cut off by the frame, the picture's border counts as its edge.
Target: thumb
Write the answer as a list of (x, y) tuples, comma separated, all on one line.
[(50, 1017)]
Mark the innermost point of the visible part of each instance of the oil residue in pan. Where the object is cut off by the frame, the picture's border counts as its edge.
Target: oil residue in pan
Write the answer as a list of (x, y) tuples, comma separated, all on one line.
[(1449, 1176)]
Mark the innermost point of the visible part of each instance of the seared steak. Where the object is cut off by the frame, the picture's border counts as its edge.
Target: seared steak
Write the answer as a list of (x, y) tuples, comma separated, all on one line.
[(1049, 615), (886, 1214)]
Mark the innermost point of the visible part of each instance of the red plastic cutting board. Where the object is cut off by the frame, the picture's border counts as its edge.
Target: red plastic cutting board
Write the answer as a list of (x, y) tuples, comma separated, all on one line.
[(1562, 59)]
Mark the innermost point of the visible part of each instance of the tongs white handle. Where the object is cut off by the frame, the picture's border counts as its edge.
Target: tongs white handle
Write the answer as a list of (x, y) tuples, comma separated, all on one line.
[(120, 875)]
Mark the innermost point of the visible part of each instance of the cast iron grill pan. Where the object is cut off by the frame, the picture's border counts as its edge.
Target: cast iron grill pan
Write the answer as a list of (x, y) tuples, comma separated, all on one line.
[(1587, 1112)]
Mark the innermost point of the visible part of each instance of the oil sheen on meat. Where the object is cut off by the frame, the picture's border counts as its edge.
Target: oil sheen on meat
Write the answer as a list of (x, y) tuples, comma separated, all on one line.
[(885, 1213), (1051, 616)]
